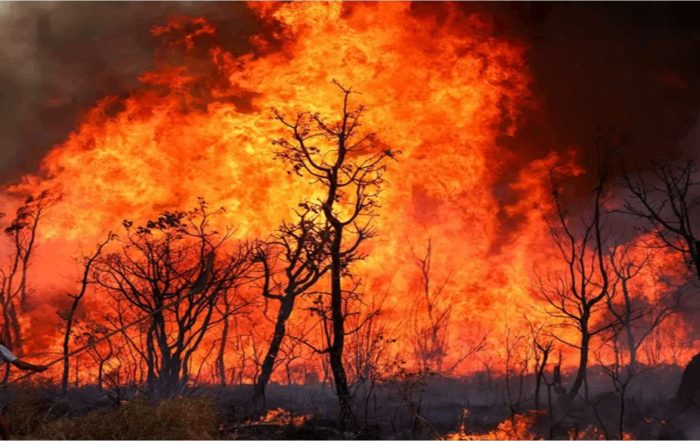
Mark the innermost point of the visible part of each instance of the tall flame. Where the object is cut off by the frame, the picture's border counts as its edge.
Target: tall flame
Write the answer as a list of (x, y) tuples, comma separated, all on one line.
[(441, 88)]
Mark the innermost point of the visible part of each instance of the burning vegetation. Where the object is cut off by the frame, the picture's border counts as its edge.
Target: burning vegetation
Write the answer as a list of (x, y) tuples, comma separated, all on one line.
[(326, 235)]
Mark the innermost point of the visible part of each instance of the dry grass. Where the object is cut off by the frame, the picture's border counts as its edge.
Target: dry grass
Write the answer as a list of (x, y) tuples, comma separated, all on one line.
[(179, 418)]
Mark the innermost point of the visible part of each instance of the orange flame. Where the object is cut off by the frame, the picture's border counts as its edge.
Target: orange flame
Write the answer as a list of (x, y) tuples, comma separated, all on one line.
[(442, 89)]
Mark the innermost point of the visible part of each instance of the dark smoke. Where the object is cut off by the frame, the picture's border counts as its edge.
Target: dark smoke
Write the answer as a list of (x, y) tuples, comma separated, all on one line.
[(57, 59), (628, 65)]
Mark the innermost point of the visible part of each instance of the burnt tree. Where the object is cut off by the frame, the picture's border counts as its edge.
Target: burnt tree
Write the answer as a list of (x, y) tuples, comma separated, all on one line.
[(69, 316), (669, 203), (166, 271), (21, 233), (300, 250), (347, 165), (430, 333), (634, 317), (576, 295)]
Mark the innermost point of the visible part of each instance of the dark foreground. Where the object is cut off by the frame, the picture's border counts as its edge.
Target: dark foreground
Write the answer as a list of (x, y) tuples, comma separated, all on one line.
[(479, 407)]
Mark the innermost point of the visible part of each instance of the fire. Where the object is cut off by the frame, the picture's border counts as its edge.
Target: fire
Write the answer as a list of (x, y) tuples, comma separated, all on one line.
[(524, 426), (520, 426), (200, 125), (282, 417)]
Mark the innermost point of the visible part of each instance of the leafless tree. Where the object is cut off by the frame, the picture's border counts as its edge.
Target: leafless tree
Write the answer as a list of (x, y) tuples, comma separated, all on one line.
[(430, 333), (301, 250), (348, 165), (369, 351), (576, 295), (632, 315), (69, 316), (669, 203), (620, 375), (518, 355), (21, 233), (167, 271), (231, 303), (542, 347), (101, 350)]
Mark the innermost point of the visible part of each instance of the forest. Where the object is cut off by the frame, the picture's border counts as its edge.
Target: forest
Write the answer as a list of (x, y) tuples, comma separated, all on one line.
[(360, 221)]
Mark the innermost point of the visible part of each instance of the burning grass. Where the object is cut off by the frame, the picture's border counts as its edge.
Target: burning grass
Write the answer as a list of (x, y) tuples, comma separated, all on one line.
[(519, 426)]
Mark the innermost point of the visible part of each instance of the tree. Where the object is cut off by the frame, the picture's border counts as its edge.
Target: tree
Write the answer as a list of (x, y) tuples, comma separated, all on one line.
[(669, 204), (69, 315), (620, 378), (101, 348), (22, 233), (302, 251), (167, 270), (230, 304), (576, 295), (633, 316), (542, 347), (430, 332), (348, 165)]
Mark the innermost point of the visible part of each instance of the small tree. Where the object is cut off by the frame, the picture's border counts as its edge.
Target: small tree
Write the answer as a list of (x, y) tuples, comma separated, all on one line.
[(21, 233), (69, 316), (542, 347), (431, 318), (167, 271), (632, 315), (302, 252), (348, 166)]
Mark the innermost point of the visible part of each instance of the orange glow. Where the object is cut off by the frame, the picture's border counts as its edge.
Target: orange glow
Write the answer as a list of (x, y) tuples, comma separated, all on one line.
[(442, 90)]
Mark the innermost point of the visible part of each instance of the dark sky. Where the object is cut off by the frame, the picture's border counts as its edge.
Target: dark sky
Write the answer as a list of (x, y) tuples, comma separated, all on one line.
[(634, 66), (631, 66)]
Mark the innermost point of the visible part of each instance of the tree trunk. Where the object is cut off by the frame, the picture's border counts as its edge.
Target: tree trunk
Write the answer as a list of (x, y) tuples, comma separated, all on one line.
[(220, 363), (582, 366), (335, 353), (66, 347), (286, 307), (538, 378)]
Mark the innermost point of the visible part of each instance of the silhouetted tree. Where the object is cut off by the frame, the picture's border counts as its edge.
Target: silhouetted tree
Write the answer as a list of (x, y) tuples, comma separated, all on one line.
[(632, 315), (301, 250), (21, 233), (69, 315), (669, 203), (167, 271), (430, 333), (577, 294), (230, 304), (348, 165), (542, 347)]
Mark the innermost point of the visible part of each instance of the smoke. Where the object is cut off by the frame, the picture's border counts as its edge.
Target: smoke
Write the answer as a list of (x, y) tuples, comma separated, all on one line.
[(633, 67), (628, 66), (58, 58)]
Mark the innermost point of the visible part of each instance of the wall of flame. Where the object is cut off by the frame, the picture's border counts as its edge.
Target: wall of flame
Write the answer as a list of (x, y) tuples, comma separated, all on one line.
[(441, 88)]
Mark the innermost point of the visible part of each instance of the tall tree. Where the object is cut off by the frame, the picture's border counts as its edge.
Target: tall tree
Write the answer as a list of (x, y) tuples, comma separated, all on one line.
[(577, 294), (348, 165)]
